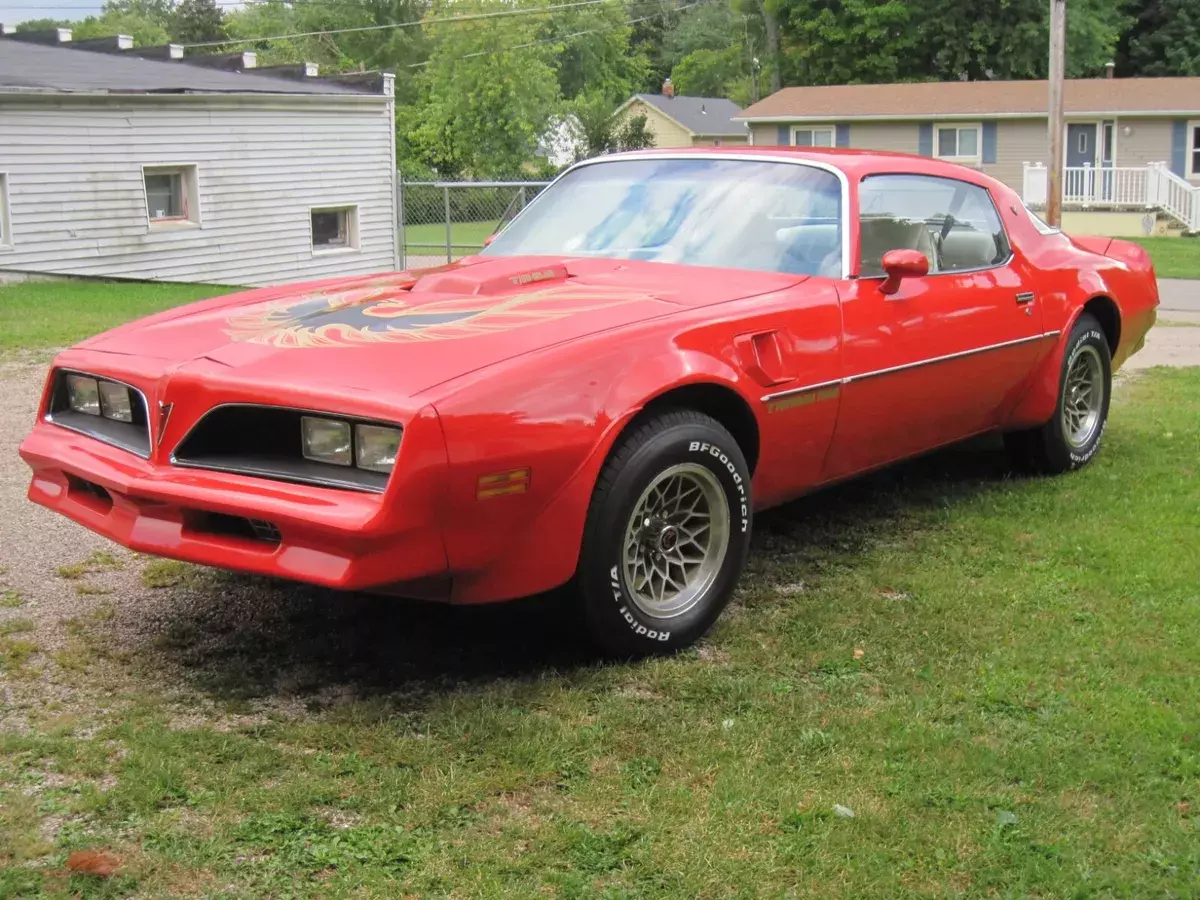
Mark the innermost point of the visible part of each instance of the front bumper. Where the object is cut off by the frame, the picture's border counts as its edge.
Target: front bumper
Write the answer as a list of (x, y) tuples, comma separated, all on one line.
[(337, 538)]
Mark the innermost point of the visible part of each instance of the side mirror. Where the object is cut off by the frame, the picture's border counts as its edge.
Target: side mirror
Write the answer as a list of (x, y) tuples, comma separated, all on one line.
[(487, 241), (900, 264)]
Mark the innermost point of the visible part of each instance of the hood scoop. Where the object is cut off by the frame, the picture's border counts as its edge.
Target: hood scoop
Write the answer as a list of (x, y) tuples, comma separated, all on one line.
[(484, 280)]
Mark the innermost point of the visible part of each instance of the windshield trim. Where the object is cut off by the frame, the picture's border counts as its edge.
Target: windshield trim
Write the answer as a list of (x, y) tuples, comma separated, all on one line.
[(746, 157)]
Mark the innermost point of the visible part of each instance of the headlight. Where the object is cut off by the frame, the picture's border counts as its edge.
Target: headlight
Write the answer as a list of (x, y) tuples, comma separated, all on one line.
[(326, 441), (116, 401), (375, 447), (83, 394)]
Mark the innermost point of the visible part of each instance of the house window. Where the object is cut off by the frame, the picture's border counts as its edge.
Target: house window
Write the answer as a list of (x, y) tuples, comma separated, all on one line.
[(5, 226), (958, 142), (1193, 148), (171, 195), (1109, 149), (334, 228), (813, 136)]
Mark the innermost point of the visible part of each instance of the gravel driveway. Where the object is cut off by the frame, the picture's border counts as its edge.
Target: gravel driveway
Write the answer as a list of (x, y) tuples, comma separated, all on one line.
[(36, 541), (36, 544)]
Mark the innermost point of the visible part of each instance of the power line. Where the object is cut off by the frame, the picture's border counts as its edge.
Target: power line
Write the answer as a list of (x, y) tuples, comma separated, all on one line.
[(525, 11), (561, 37)]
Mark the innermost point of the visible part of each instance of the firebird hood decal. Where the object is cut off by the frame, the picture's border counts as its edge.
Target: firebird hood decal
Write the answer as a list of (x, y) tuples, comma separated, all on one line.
[(392, 312), (398, 334)]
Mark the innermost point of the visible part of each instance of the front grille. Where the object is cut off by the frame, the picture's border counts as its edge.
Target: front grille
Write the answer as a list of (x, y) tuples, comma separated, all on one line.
[(92, 493), (224, 525), (265, 531), (264, 441)]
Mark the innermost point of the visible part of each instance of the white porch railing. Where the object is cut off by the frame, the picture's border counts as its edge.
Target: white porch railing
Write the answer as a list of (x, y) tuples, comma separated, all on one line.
[(1153, 186)]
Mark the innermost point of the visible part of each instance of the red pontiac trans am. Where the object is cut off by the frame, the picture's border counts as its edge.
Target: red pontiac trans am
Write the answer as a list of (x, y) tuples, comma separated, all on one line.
[(659, 345)]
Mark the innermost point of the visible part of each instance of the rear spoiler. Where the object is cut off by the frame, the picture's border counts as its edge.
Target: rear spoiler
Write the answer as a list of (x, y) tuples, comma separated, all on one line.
[(1095, 244), (1126, 252)]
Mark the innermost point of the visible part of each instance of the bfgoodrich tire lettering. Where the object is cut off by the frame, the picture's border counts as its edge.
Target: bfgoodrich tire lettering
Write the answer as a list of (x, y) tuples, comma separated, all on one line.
[(1074, 433), (653, 576)]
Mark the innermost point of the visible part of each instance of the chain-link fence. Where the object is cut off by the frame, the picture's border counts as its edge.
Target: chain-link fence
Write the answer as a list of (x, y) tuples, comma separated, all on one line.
[(443, 220)]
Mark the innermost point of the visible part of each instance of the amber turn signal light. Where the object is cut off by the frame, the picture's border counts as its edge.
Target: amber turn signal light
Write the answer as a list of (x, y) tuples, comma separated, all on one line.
[(514, 481)]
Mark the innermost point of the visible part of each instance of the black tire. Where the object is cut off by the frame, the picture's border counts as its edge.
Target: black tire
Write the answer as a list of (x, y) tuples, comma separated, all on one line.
[(681, 445), (1054, 448)]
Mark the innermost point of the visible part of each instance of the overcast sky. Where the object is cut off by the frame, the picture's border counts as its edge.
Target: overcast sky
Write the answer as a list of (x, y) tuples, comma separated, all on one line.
[(14, 11)]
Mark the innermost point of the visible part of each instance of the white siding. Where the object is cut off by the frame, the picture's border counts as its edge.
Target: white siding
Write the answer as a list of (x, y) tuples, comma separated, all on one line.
[(77, 205)]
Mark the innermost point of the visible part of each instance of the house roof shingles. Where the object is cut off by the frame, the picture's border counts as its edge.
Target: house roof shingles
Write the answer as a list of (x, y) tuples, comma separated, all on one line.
[(706, 116), (978, 98), (35, 68)]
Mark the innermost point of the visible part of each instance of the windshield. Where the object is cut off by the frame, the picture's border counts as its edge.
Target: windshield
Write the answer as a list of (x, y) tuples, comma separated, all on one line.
[(731, 213)]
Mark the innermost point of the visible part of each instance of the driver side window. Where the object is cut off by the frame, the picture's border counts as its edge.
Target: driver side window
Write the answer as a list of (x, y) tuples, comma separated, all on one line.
[(953, 223)]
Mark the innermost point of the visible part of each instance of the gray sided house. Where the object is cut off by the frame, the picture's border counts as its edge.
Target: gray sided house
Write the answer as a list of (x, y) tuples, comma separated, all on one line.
[(1131, 144), (119, 166)]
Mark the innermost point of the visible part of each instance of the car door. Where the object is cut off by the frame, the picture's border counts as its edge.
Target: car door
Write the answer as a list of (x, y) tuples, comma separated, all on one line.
[(942, 357)]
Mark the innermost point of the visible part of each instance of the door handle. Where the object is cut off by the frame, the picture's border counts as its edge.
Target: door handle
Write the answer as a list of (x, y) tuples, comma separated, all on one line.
[(1024, 297)]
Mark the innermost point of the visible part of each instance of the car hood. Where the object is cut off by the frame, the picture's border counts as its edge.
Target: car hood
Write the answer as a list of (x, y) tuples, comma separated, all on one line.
[(409, 331)]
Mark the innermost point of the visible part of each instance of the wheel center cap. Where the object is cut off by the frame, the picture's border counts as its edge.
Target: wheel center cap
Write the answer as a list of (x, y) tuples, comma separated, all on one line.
[(667, 539)]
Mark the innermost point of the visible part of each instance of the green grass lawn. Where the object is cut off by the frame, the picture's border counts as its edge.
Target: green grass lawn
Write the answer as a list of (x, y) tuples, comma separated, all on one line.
[(39, 316), (999, 676), (430, 240), (1173, 257)]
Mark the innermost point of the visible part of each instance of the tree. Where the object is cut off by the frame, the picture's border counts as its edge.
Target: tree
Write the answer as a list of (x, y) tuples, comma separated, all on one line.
[(487, 94), (395, 49), (871, 41), (1164, 39), (595, 128), (197, 22), (633, 134), (597, 56), (1007, 39), (145, 31), (709, 73), (733, 27), (848, 41), (159, 11), (769, 11), (42, 24)]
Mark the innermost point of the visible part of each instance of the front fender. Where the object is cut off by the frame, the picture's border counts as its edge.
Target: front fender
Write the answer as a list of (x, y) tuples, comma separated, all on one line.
[(512, 417)]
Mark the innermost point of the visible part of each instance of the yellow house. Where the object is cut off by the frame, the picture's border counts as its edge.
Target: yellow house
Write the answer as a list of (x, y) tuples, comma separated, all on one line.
[(687, 121)]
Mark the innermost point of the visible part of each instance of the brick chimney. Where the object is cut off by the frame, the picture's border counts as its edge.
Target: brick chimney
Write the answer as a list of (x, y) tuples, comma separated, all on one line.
[(668, 89)]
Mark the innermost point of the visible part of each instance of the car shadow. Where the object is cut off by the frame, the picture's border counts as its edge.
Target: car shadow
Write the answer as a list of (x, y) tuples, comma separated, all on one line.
[(244, 638)]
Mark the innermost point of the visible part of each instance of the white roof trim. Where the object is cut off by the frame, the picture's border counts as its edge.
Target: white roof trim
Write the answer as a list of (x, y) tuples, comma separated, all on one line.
[(247, 98), (965, 117)]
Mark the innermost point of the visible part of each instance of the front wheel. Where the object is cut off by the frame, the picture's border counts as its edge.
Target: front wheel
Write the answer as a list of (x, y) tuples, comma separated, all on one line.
[(667, 534), (1072, 436)]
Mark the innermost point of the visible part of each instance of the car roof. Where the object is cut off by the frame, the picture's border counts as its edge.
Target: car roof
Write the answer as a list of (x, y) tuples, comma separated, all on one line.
[(854, 162)]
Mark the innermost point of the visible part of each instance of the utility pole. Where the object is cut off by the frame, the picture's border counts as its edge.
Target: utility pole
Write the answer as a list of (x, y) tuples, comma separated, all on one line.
[(1058, 64)]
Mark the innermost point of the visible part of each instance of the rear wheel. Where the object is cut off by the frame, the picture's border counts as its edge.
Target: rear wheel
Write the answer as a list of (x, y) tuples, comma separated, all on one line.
[(1073, 434), (667, 534)]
